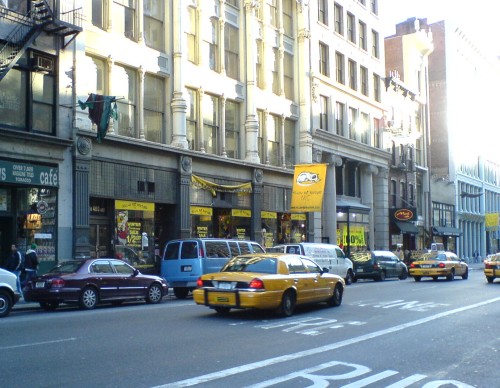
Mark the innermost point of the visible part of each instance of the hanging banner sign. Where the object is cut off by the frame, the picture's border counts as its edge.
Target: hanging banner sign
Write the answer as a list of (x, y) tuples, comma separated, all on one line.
[(491, 220), (308, 187)]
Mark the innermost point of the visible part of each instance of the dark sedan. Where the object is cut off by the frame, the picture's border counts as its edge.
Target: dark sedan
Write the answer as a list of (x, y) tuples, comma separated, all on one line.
[(93, 281)]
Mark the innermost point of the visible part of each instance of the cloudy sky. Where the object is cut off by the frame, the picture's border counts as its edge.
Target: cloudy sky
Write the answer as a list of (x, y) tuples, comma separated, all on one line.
[(478, 18)]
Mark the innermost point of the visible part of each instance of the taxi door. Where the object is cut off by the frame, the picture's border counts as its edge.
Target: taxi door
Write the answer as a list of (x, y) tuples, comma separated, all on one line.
[(304, 281)]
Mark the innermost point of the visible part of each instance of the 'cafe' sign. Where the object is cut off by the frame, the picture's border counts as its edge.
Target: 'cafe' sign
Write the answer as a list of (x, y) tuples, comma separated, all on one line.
[(405, 214)]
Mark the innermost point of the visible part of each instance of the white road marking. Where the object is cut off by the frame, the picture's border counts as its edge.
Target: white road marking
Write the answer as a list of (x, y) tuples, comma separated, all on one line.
[(37, 343), (326, 348)]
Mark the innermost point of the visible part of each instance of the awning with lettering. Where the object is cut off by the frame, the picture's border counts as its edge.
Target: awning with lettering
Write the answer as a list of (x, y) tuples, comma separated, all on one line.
[(201, 183), (406, 227), (446, 231)]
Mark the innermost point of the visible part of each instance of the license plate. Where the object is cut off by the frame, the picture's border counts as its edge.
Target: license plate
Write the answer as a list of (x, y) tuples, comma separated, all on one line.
[(40, 285), (187, 268), (426, 266), (225, 286), (222, 299), (359, 270)]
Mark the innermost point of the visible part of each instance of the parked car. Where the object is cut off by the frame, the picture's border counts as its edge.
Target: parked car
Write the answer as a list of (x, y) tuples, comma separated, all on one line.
[(492, 267), (185, 260), (9, 295), (438, 264), (378, 265), (275, 281), (326, 255), (92, 281)]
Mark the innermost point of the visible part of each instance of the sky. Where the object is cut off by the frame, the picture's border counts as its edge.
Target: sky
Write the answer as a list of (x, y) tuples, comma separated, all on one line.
[(479, 19)]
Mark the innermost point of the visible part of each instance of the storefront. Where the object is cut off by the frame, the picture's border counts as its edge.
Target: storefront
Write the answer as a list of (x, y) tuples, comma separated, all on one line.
[(353, 226), (447, 236), (403, 230), (28, 209)]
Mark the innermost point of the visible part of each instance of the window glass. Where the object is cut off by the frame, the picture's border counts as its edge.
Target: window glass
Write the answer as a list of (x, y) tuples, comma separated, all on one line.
[(102, 267), (340, 253), (192, 108), (216, 249), (288, 75), (231, 47), (124, 18), (257, 248), (101, 76), (289, 143), (234, 247), (210, 123), (13, 99), (273, 129), (153, 23), (122, 268), (287, 7), (97, 13), (191, 35), (295, 265), (153, 107), (172, 251), (276, 67), (189, 250), (311, 267), (232, 128), (244, 248), (125, 87)]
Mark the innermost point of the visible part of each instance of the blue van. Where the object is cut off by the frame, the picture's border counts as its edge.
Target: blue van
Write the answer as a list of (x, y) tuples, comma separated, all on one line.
[(185, 260)]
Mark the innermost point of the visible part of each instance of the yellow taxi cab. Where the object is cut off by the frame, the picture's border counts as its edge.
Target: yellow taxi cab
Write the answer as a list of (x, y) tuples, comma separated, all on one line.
[(274, 281), (438, 264), (492, 267)]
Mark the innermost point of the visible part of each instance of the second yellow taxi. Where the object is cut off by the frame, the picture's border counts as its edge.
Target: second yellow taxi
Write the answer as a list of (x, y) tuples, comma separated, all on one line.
[(438, 264), (492, 267), (272, 281)]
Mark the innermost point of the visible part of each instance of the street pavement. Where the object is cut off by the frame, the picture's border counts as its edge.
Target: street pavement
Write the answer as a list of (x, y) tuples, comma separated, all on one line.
[(22, 305)]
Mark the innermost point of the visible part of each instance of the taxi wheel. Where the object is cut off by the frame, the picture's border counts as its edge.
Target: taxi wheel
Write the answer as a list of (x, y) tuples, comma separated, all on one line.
[(336, 299), (451, 276), (287, 306), (490, 279), (417, 278), (222, 310), (466, 274)]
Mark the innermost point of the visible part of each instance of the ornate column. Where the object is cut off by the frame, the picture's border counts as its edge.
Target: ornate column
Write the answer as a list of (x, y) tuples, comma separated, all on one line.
[(251, 122), (184, 205), (381, 209), (140, 103), (367, 173), (256, 203), (140, 21), (330, 199), (178, 104)]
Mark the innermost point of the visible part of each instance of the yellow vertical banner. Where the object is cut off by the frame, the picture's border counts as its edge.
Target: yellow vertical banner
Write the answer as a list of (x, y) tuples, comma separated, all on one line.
[(308, 187), (491, 220)]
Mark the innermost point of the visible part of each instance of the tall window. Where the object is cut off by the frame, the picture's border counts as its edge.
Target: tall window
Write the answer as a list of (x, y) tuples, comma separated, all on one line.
[(364, 128), (259, 75), (353, 81), (272, 6), (211, 44), (376, 87), (191, 115), (288, 75), (124, 83), (351, 27), (323, 11), (340, 72), (362, 35), (339, 118), (287, 7), (273, 138), (191, 36), (98, 13), (323, 115), (232, 50), (211, 124), (154, 101), (339, 19), (124, 18), (234, 3), (261, 136), (353, 118), (289, 143), (393, 193), (232, 119), (153, 24), (375, 44), (276, 71), (374, 6), (323, 59), (363, 75)]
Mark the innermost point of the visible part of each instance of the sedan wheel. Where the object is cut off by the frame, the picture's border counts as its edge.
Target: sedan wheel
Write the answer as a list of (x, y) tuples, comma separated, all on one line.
[(49, 306), (381, 276), (336, 299), (404, 275), (155, 293), (287, 306), (5, 304), (466, 274), (88, 298)]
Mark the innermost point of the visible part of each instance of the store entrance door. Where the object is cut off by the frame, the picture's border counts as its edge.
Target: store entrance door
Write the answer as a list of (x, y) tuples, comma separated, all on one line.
[(5, 238), (100, 239)]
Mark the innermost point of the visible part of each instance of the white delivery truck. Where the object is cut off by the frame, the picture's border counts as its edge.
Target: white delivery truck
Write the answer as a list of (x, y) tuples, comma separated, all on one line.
[(326, 255)]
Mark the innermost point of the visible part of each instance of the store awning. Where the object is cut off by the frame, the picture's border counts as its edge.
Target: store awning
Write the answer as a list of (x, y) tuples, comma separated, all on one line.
[(406, 227), (352, 205), (446, 231)]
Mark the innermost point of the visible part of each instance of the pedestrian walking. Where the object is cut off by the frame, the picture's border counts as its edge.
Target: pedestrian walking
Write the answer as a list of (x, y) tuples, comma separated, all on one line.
[(14, 264), (31, 263)]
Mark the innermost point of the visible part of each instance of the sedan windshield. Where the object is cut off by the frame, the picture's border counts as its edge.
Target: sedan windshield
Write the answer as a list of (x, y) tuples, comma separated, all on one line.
[(67, 267), (253, 264)]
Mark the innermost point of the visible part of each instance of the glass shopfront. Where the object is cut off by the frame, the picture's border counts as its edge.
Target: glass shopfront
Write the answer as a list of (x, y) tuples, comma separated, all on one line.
[(269, 229), (353, 230), (292, 227)]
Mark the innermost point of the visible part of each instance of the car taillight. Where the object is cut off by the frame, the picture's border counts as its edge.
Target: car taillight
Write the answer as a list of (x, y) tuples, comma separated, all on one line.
[(57, 283), (441, 265), (375, 265), (256, 284), (412, 265), (199, 282), (489, 266)]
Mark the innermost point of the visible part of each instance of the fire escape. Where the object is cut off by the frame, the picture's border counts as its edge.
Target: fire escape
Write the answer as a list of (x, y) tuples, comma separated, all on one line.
[(24, 29)]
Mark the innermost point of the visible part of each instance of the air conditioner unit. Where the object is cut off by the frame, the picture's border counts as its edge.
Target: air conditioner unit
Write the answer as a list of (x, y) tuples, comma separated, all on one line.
[(43, 63)]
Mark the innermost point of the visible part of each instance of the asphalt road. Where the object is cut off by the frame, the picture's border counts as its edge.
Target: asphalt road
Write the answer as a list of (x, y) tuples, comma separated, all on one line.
[(385, 334)]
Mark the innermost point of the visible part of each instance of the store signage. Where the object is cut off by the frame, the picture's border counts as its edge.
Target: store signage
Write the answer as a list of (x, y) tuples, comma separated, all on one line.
[(308, 187), (241, 213), (201, 211), (28, 174), (268, 215), (298, 217), (405, 214), (134, 205), (42, 207)]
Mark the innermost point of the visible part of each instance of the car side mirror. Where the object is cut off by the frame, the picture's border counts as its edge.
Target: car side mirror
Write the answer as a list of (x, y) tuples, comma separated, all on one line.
[(325, 270), (136, 272)]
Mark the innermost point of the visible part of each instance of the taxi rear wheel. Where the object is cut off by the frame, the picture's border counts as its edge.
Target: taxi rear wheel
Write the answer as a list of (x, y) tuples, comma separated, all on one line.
[(222, 310), (336, 299), (417, 278), (287, 306), (490, 279), (466, 274)]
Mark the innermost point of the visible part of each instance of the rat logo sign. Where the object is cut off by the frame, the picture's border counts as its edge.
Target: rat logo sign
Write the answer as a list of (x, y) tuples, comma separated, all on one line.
[(308, 187)]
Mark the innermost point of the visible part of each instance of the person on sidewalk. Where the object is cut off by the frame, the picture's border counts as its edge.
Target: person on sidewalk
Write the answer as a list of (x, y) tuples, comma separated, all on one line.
[(31, 263), (14, 265)]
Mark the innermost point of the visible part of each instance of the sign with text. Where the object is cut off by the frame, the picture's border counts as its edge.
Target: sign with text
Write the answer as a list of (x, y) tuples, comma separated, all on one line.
[(308, 187), (28, 174)]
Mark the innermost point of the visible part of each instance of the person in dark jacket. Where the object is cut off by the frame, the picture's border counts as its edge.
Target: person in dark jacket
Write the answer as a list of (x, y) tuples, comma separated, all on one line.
[(31, 263), (14, 264)]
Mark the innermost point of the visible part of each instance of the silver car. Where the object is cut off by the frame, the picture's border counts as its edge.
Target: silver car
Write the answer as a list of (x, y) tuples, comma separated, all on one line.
[(9, 295)]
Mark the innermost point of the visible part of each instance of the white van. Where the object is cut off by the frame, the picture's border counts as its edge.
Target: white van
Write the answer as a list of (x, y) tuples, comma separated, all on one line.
[(326, 255)]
